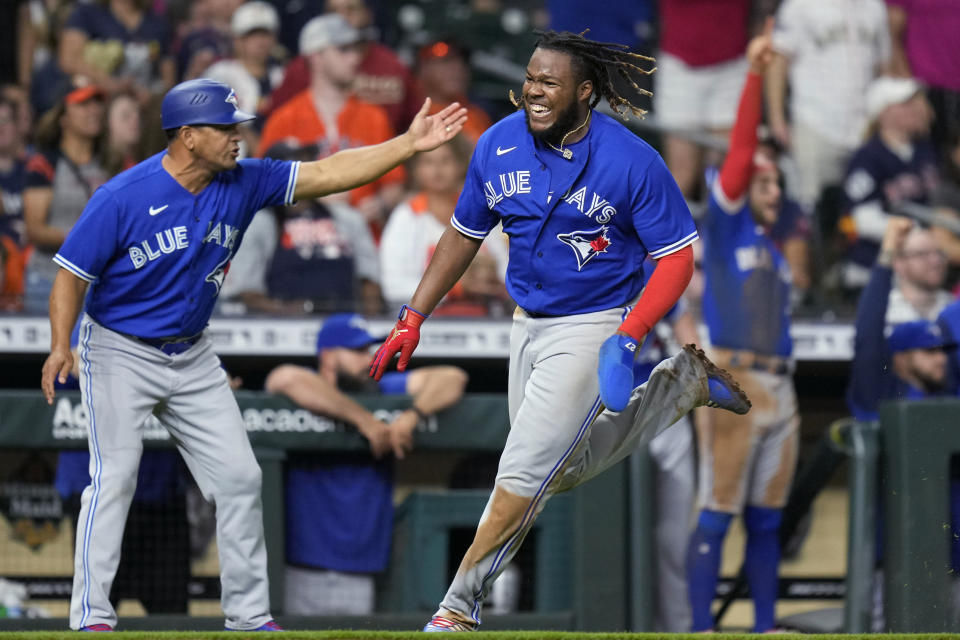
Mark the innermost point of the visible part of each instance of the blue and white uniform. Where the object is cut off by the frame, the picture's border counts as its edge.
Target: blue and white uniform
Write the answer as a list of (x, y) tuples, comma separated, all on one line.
[(156, 255), (746, 307), (580, 230)]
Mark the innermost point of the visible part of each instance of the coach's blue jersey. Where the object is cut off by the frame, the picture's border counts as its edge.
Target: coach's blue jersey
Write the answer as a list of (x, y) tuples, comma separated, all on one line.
[(746, 299), (579, 229), (156, 253)]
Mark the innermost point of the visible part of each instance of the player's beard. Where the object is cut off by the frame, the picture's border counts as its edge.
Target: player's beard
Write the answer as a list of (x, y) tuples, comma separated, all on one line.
[(566, 121), (931, 385)]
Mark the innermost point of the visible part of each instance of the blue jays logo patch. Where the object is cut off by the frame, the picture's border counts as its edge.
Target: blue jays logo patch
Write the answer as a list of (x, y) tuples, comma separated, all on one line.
[(586, 244), (232, 99)]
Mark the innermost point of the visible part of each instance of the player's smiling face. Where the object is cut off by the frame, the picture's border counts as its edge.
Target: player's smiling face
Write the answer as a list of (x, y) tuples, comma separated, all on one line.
[(217, 145), (555, 102)]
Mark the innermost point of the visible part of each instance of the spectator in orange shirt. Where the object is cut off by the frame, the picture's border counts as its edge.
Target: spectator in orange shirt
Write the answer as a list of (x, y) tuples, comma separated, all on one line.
[(382, 79), (445, 77), (328, 115), (11, 275)]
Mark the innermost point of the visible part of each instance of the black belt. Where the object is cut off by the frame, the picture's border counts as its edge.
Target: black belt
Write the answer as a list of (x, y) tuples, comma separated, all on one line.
[(171, 345), (776, 365), (534, 314)]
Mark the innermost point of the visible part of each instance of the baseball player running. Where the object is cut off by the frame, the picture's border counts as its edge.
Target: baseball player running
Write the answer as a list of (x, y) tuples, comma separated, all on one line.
[(155, 243), (584, 201)]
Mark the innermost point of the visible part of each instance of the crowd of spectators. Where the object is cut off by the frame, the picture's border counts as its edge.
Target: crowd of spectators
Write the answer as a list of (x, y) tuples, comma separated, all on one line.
[(862, 104)]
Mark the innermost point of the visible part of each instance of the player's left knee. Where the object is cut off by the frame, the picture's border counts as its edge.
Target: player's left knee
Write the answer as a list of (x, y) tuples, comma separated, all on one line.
[(244, 479), (761, 519)]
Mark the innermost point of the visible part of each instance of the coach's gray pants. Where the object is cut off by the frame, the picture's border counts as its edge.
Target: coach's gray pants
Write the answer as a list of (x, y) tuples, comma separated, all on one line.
[(123, 381), (560, 435)]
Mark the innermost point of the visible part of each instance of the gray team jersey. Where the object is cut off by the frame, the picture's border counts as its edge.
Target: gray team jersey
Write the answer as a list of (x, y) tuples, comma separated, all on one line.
[(70, 196)]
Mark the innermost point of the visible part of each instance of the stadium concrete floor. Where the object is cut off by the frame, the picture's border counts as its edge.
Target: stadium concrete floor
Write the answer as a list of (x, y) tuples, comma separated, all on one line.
[(824, 554)]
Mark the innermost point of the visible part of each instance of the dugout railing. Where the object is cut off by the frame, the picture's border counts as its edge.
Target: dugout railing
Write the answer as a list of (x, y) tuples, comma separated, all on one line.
[(600, 535), (900, 479)]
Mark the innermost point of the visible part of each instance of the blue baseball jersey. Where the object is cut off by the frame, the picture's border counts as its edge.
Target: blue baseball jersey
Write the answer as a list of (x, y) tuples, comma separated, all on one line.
[(579, 229), (746, 299), (157, 254), (340, 514)]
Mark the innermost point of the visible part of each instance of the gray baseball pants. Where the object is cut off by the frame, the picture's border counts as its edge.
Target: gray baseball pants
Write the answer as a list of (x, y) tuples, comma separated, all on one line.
[(123, 381), (561, 436), (673, 456)]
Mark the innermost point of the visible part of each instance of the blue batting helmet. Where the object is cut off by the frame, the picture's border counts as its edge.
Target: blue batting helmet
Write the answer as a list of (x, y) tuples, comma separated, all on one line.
[(201, 101)]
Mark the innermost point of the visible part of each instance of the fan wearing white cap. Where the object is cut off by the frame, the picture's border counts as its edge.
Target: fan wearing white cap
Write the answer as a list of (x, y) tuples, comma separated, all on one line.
[(896, 164), (253, 72)]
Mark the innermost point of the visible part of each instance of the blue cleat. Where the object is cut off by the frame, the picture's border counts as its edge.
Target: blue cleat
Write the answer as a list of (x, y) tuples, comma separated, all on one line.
[(267, 626), (725, 393), (96, 627), (439, 623)]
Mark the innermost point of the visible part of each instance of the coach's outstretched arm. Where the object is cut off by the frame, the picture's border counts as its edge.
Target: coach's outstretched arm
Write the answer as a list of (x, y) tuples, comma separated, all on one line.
[(451, 258), (66, 298), (351, 168)]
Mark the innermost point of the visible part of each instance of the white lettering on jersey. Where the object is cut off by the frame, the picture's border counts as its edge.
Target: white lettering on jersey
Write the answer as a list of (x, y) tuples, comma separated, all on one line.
[(749, 258), (516, 182), (606, 211), (169, 246), (137, 257), (231, 236), (167, 241), (213, 233), (576, 198), (579, 199), (225, 235), (510, 184)]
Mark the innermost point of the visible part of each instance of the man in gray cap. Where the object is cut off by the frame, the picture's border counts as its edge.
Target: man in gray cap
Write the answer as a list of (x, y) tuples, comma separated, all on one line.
[(328, 115)]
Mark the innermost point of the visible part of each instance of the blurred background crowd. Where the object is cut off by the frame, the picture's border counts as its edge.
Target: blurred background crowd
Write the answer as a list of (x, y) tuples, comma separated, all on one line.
[(861, 110), (858, 109)]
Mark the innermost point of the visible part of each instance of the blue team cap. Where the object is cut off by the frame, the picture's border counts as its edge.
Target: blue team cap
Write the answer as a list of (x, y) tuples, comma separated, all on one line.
[(347, 330), (201, 101), (919, 334)]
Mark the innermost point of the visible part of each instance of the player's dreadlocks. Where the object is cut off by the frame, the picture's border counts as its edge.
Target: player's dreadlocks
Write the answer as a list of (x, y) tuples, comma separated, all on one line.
[(593, 61)]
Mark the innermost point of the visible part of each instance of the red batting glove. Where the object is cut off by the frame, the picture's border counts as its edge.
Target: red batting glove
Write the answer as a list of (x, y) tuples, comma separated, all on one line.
[(403, 339)]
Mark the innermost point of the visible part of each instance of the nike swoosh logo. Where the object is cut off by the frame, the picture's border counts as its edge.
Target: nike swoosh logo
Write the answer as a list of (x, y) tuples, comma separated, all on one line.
[(500, 151), (154, 212)]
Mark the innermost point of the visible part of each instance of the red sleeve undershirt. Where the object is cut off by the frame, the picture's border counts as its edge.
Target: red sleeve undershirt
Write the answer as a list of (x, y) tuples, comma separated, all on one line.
[(667, 282), (738, 166)]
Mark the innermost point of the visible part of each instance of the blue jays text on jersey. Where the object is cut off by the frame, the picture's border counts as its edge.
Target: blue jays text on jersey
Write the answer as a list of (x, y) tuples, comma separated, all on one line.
[(156, 253), (579, 229), (746, 300)]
